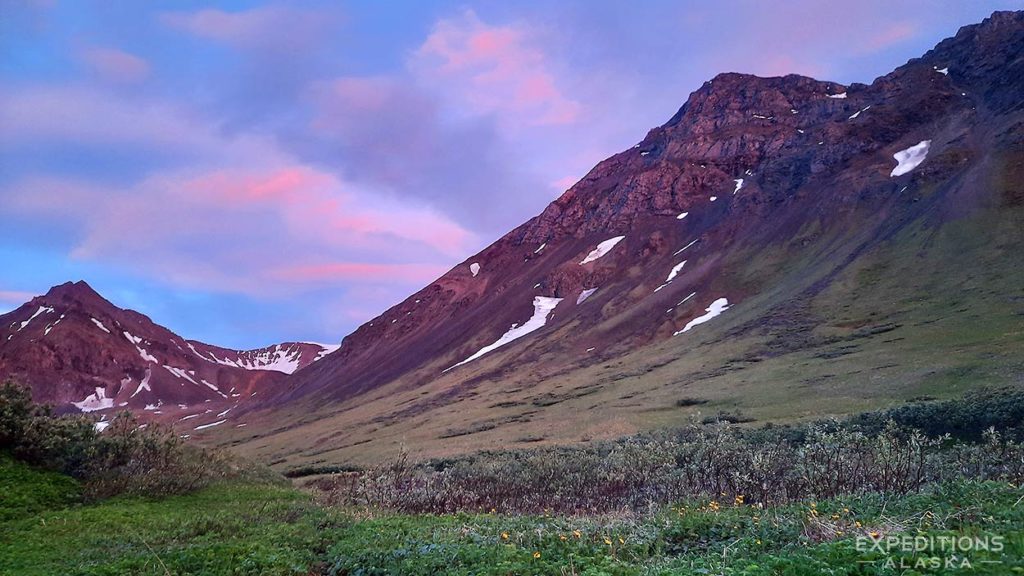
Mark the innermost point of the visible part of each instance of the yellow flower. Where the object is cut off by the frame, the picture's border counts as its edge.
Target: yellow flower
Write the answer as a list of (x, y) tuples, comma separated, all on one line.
[(874, 534), (562, 537), (835, 516), (857, 524), (536, 554), (608, 541), (576, 533), (758, 542), (504, 535), (621, 541), (846, 510), (493, 510)]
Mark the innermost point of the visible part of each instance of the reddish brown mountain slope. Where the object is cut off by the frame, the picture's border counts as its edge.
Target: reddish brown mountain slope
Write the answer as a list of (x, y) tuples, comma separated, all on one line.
[(802, 241)]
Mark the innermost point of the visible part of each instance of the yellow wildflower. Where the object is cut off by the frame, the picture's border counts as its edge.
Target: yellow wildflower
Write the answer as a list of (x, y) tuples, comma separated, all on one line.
[(504, 535), (536, 554)]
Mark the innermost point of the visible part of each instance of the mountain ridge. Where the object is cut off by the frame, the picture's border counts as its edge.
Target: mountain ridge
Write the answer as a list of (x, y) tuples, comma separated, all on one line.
[(74, 348)]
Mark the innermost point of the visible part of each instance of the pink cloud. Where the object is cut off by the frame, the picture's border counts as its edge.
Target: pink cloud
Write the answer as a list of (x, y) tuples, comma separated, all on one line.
[(893, 34), (115, 65), (10, 299), (496, 70)]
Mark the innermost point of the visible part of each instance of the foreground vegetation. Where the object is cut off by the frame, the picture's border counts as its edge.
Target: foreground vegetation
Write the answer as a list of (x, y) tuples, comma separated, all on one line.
[(260, 529), (697, 501)]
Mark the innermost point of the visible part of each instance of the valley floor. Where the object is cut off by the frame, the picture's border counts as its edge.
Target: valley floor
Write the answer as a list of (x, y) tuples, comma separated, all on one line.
[(248, 529)]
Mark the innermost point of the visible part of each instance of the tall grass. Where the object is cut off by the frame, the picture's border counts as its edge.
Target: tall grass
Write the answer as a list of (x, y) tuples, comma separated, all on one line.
[(767, 466)]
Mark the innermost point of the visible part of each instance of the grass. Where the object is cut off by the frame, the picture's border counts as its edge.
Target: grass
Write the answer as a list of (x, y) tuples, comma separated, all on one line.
[(241, 529)]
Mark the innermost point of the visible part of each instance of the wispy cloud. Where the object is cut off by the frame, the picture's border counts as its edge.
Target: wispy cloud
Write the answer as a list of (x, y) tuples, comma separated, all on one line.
[(115, 65), (494, 70)]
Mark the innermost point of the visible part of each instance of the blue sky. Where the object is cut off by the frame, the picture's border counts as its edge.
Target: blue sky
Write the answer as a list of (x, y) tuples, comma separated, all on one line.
[(250, 172)]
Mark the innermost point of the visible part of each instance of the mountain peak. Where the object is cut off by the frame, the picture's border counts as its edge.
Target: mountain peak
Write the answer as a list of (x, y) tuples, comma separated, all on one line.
[(79, 291)]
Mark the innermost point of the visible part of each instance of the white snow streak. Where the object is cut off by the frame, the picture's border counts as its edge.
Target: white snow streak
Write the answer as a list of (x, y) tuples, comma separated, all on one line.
[(677, 252), (602, 249), (907, 160), (542, 306), (474, 268), (211, 425), (31, 318), (682, 215), (100, 325), (584, 295), (739, 184), (716, 308), (675, 270)]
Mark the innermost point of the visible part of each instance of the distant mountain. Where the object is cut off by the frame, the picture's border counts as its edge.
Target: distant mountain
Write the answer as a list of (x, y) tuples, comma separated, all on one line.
[(78, 351), (780, 248)]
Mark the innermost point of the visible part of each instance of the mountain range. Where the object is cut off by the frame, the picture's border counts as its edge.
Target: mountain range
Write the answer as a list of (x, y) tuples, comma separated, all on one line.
[(781, 248)]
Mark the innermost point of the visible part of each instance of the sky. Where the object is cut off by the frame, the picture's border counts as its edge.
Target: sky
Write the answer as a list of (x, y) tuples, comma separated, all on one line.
[(247, 173)]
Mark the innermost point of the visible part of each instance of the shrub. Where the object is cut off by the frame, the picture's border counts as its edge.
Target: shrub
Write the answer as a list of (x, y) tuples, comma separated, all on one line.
[(127, 458)]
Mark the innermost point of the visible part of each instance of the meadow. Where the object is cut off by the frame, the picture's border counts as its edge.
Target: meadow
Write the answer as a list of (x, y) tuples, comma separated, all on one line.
[(619, 508)]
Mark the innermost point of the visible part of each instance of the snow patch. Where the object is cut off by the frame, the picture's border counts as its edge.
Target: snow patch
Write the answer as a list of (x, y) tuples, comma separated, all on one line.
[(675, 271), (100, 325), (839, 96), (907, 160), (327, 349), (692, 294), (101, 426), (542, 306), (41, 310), (210, 425), (96, 401), (716, 308), (584, 295), (474, 268), (682, 215), (537, 251), (144, 385), (739, 185), (857, 113), (943, 71), (602, 249)]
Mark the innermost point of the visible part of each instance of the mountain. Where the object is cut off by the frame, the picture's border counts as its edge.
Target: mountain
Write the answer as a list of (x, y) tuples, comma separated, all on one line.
[(781, 248), (78, 351)]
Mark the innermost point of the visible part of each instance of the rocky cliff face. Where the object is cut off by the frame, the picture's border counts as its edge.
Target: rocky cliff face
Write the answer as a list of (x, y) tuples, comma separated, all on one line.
[(78, 351)]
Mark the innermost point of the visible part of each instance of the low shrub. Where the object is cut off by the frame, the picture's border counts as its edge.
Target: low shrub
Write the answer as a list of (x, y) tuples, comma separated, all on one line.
[(127, 458)]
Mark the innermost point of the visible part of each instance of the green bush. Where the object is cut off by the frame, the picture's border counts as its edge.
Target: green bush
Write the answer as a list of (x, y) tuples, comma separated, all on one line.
[(127, 458)]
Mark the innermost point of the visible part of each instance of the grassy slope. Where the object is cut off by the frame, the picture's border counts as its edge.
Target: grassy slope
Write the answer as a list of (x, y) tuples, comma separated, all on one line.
[(260, 530)]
